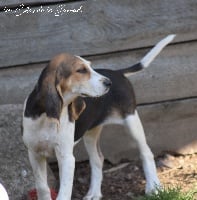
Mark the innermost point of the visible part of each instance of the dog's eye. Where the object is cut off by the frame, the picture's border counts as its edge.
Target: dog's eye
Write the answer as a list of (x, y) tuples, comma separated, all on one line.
[(82, 71)]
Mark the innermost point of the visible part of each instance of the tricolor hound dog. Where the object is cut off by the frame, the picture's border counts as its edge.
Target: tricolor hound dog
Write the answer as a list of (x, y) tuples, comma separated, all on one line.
[(117, 106), (50, 108), (49, 114)]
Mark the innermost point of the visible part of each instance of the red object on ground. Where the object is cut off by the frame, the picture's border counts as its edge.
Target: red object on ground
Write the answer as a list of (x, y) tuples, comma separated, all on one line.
[(32, 194)]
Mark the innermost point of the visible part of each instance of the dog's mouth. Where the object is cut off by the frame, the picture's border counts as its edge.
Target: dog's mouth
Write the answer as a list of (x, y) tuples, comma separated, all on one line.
[(85, 95), (97, 96), (107, 88)]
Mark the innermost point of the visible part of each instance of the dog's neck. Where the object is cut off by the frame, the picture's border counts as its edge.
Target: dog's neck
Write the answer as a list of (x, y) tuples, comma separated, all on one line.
[(68, 98)]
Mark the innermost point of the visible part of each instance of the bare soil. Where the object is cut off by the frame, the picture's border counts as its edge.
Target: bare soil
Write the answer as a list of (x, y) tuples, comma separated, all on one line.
[(125, 181)]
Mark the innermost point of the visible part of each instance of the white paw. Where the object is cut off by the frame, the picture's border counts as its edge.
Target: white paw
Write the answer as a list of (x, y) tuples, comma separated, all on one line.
[(91, 197), (153, 187)]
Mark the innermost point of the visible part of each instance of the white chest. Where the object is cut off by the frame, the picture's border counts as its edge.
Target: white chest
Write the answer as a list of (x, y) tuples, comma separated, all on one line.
[(43, 135)]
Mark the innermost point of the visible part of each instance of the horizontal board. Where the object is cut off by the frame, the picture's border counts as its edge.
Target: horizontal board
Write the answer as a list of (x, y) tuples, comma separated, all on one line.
[(12, 3), (99, 27), (172, 75)]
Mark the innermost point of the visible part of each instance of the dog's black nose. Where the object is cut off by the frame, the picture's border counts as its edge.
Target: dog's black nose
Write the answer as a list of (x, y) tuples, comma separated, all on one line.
[(107, 82)]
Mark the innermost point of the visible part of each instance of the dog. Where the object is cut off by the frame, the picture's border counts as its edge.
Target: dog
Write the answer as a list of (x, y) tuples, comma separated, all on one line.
[(3, 193), (118, 106), (49, 114)]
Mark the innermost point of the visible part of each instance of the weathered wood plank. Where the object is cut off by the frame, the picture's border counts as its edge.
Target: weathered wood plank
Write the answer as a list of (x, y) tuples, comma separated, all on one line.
[(172, 75), (12, 3), (101, 26)]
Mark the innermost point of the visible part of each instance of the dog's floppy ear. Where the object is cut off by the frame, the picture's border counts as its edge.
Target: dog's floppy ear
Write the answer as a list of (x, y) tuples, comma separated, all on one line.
[(53, 103), (58, 76), (49, 97), (76, 108), (61, 78)]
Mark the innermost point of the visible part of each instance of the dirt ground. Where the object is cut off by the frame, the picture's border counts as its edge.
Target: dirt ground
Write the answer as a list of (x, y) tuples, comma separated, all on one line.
[(125, 181)]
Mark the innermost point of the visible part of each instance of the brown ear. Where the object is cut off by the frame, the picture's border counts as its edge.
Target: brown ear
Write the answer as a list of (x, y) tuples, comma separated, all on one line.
[(53, 104), (50, 98), (76, 108)]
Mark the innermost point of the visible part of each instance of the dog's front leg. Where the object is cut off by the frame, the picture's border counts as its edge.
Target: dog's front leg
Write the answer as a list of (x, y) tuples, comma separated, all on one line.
[(91, 141), (66, 170), (66, 164), (38, 164)]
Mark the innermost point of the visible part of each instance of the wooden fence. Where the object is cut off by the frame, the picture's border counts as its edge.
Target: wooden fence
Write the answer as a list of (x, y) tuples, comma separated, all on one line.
[(112, 34)]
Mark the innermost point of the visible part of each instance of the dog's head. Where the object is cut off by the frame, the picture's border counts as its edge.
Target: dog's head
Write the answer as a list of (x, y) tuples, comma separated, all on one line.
[(67, 77), (75, 76)]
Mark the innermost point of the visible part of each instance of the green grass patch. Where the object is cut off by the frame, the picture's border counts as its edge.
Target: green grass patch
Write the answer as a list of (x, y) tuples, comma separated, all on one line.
[(171, 194)]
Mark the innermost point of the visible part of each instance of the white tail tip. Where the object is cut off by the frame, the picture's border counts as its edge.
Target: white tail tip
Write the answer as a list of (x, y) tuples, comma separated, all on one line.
[(169, 38), (150, 56)]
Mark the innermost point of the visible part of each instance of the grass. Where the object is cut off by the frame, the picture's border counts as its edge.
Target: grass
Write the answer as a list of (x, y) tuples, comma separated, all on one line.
[(171, 194)]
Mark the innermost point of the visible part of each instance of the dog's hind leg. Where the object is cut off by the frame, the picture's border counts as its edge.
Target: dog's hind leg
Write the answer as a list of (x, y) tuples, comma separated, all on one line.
[(39, 167), (91, 141), (135, 129)]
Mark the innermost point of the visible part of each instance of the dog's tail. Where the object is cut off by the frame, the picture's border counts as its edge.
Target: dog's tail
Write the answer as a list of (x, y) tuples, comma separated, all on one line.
[(149, 57)]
